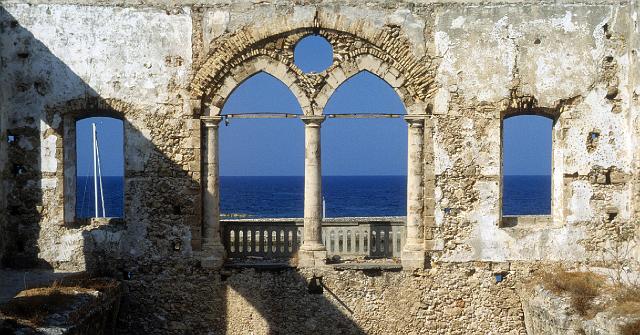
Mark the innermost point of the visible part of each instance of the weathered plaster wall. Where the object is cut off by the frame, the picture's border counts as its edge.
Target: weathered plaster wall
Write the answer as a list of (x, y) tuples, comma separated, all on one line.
[(518, 67), (633, 98), (521, 65), (468, 65), (57, 63)]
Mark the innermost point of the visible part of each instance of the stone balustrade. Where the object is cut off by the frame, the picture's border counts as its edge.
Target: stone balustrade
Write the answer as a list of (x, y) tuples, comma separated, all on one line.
[(375, 237)]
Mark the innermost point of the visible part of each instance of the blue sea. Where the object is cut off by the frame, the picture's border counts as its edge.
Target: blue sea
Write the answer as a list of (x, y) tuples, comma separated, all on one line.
[(113, 189), (526, 195), (270, 197)]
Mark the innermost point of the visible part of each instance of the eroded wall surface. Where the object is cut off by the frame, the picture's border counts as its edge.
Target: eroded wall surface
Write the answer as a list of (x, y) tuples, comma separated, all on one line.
[(3, 174), (58, 67), (522, 64), (575, 62), (634, 105), (452, 299)]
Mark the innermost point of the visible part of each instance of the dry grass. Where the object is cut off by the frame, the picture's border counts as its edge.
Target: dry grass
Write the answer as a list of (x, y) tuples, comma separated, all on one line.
[(627, 300), (34, 305), (582, 287), (632, 328)]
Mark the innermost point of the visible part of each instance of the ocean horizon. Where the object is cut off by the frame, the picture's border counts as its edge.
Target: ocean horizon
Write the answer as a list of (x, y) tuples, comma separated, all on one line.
[(345, 196)]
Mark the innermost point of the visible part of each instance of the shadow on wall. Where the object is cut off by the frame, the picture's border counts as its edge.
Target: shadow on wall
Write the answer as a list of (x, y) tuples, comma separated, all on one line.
[(287, 302), (25, 85), (152, 250)]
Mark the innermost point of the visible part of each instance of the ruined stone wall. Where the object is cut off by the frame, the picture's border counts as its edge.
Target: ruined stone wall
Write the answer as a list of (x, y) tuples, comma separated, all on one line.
[(3, 171), (466, 65), (448, 299), (521, 65), (633, 97), (59, 70)]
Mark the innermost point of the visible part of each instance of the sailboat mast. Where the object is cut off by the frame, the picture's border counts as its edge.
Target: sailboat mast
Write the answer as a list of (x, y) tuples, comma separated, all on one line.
[(100, 176), (95, 170)]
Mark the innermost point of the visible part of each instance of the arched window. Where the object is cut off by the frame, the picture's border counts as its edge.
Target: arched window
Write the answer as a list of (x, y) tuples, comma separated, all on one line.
[(99, 146), (261, 158), (526, 162), (365, 144)]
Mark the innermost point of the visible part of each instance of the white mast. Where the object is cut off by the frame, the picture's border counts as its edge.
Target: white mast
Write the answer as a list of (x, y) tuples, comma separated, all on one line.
[(97, 173), (100, 175), (95, 170)]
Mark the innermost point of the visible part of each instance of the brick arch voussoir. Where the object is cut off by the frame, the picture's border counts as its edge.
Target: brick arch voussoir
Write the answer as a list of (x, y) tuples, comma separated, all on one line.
[(286, 73), (388, 44)]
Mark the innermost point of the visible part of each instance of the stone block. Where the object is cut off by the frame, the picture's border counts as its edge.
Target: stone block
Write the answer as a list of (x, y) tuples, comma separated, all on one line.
[(312, 258), (412, 260), (618, 177)]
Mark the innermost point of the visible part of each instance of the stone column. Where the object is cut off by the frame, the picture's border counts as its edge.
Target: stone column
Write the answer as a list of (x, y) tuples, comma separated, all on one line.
[(413, 254), (213, 252), (312, 252)]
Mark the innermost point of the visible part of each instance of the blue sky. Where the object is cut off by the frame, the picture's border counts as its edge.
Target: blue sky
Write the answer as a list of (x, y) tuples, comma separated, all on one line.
[(275, 147), (110, 140), (527, 145)]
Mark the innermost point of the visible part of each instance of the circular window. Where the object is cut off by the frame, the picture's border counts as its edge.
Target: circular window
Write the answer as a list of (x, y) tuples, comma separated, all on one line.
[(313, 53)]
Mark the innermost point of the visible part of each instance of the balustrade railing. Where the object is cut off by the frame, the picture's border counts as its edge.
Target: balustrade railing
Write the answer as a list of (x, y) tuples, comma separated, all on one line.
[(376, 237)]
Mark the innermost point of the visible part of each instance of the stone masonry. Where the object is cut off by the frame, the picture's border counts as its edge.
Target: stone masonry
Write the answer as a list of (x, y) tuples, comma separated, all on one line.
[(460, 67)]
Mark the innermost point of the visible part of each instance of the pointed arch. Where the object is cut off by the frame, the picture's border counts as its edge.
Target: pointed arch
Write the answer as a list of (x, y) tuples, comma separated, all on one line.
[(248, 70), (402, 63), (359, 140), (267, 82), (355, 79)]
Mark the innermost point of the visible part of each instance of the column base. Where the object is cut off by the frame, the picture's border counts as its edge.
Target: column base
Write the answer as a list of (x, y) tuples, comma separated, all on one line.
[(312, 258), (212, 256), (412, 260)]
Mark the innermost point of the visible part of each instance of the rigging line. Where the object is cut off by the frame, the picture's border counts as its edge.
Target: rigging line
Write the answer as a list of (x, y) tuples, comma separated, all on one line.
[(100, 176), (86, 182)]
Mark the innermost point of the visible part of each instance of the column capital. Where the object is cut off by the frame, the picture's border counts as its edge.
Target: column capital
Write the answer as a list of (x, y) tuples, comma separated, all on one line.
[(416, 120), (211, 121), (312, 120)]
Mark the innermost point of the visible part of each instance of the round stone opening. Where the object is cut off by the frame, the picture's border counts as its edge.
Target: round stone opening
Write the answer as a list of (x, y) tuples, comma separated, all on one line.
[(313, 54)]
